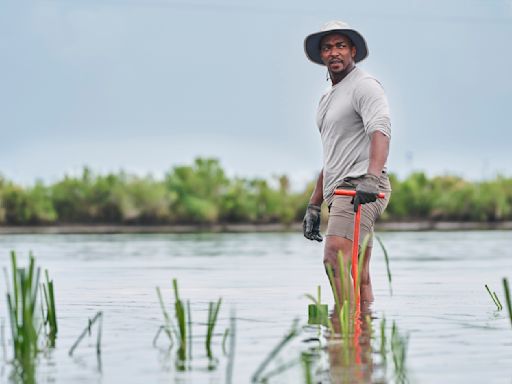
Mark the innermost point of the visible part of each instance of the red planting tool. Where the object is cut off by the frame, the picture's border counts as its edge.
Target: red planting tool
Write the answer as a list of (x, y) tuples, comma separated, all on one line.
[(355, 242)]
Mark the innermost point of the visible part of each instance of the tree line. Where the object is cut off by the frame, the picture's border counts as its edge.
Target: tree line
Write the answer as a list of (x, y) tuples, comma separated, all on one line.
[(202, 193)]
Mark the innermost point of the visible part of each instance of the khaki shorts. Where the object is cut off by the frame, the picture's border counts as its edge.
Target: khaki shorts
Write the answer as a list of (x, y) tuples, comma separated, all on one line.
[(341, 212)]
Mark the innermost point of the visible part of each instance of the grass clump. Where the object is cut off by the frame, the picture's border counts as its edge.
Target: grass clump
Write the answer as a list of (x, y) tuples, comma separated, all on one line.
[(178, 329), (23, 308), (21, 302)]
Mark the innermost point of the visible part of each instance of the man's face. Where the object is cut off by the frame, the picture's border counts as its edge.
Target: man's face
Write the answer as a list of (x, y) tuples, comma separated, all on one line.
[(337, 52)]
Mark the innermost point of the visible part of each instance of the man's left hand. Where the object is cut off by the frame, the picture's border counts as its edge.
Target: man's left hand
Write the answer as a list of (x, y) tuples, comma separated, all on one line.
[(366, 191)]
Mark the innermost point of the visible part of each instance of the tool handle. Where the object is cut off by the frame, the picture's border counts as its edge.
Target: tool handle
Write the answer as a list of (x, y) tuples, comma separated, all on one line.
[(351, 192)]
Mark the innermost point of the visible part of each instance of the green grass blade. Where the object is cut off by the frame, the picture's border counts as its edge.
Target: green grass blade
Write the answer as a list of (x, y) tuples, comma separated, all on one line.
[(169, 326), (275, 351), (15, 287), (232, 345), (224, 339), (508, 301), (498, 300), (213, 312), (312, 298), (383, 341), (386, 259), (492, 297), (87, 330), (333, 285), (344, 279), (189, 324), (181, 320)]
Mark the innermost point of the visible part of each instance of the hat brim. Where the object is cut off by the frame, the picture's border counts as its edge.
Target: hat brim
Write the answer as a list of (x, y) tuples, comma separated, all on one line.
[(312, 44)]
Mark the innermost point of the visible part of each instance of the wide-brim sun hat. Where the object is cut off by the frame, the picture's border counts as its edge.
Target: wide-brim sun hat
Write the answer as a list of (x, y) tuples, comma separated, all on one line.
[(312, 42)]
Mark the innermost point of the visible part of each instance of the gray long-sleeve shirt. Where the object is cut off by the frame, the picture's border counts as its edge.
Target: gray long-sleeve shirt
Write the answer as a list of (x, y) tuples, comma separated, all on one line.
[(348, 114)]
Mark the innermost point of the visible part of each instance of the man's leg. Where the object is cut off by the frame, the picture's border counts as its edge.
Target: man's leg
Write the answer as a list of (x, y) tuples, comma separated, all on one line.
[(333, 245), (366, 290)]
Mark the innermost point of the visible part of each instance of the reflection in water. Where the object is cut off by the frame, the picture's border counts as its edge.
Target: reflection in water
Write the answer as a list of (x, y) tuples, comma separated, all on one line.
[(352, 356), (350, 353)]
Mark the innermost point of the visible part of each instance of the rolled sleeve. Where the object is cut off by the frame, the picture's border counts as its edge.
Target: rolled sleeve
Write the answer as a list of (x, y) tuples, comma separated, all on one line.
[(371, 103)]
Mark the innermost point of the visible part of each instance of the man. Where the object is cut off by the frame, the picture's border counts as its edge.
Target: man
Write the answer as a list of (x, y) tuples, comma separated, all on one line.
[(354, 124)]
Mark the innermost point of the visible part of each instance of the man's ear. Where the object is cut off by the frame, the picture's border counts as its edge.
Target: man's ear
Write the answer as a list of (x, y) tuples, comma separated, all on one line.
[(353, 51)]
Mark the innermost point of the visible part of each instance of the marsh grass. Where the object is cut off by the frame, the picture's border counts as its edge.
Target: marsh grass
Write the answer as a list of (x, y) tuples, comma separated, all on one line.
[(399, 344), (168, 328), (318, 313), (508, 301), (30, 310), (182, 325), (25, 326), (494, 298), (178, 329), (224, 340), (98, 318), (386, 259), (382, 349), (232, 345), (258, 376), (305, 359), (50, 318), (189, 324), (213, 312)]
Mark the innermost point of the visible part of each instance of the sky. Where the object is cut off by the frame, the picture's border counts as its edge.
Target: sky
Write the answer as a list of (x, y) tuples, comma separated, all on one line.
[(145, 85)]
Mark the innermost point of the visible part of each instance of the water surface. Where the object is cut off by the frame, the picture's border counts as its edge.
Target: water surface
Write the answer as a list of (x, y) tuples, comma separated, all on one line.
[(456, 335)]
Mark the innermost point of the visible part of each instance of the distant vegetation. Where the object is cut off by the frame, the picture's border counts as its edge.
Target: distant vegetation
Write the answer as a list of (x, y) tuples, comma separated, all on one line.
[(202, 194)]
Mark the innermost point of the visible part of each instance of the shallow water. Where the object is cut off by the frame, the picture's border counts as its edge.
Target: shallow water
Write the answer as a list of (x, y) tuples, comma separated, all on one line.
[(456, 335)]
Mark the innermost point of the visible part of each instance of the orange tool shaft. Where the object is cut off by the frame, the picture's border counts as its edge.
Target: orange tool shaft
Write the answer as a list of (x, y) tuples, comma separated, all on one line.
[(355, 242)]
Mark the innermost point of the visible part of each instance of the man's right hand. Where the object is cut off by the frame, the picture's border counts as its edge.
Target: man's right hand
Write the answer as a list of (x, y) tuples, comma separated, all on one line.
[(311, 223)]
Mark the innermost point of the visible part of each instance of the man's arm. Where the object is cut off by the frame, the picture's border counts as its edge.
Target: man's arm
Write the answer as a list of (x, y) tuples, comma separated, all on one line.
[(379, 150), (371, 103), (317, 197), (311, 222)]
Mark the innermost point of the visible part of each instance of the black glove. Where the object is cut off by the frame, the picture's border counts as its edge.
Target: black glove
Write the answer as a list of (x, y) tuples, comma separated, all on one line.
[(366, 191), (311, 223)]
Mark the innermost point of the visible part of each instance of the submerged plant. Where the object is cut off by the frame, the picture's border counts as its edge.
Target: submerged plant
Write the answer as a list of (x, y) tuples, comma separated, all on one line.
[(494, 298)]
